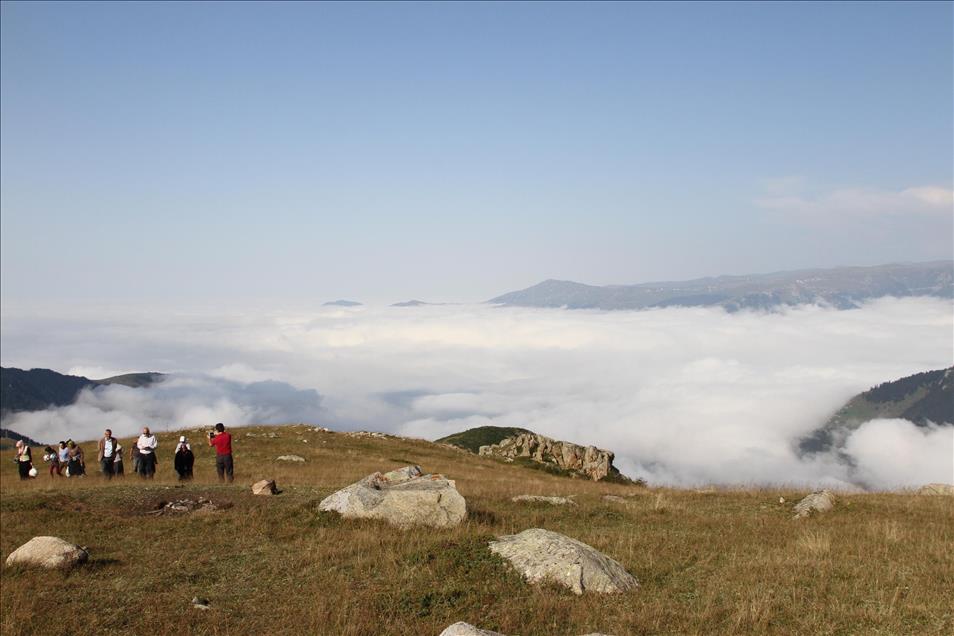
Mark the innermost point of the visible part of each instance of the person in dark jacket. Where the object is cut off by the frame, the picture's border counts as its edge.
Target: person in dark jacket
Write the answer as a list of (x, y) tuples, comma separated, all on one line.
[(184, 460)]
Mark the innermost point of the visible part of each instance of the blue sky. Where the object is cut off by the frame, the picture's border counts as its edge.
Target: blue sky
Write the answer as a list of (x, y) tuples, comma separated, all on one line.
[(189, 152)]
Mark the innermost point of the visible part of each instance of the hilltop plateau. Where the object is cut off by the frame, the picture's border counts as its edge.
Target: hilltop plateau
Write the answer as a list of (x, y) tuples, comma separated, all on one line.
[(707, 560)]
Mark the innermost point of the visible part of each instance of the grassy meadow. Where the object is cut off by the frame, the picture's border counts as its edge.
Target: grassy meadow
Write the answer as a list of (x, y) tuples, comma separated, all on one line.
[(709, 562)]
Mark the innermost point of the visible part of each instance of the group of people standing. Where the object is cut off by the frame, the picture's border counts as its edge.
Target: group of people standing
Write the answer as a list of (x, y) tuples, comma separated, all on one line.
[(69, 459)]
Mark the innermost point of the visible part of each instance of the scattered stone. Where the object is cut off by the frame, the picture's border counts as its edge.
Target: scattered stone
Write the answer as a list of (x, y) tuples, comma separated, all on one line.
[(264, 487), (937, 489), (819, 501), (200, 603), (466, 629), (403, 497), (589, 461), (615, 499), (290, 458), (48, 552), (321, 429), (542, 554), (181, 506), (781, 500), (553, 501), (365, 434)]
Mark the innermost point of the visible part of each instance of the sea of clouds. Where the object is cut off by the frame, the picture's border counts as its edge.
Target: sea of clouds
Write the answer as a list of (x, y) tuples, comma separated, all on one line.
[(681, 395)]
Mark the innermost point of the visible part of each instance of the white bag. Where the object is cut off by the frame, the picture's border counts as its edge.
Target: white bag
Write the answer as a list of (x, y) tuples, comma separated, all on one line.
[(34, 472)]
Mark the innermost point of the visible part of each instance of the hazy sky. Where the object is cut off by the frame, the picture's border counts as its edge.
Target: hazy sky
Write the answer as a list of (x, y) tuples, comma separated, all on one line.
[(187, 152)]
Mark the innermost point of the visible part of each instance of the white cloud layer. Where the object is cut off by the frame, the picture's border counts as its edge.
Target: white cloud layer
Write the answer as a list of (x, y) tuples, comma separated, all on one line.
[(857, 202), (683, 396)]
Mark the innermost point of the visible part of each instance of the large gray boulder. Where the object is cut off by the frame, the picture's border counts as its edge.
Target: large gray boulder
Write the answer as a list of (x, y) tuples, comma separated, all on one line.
[(542, 554), (48, 552), (403, 497), (936, 489), (820, 501)]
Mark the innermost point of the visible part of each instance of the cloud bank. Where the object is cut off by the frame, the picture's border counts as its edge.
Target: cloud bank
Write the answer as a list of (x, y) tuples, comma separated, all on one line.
[(179, 401), (682, 396)]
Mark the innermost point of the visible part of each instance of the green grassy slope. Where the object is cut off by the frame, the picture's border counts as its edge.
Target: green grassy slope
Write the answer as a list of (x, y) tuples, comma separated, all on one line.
[(472, 439)]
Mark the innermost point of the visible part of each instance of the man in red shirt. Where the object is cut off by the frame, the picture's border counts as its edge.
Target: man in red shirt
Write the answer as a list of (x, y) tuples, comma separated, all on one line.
[(222, 442)]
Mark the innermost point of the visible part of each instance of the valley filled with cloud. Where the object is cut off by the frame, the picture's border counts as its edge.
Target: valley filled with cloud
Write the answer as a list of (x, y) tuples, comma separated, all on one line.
[(681, 395)]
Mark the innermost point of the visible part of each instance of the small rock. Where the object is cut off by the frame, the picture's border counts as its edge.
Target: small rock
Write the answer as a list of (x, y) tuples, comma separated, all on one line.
[(290, 458), (819, 501), (553, 501), (615, 499), (466, 629), (200, 603), (781, 500), (542, 554), (936, 489), (48, 552), (264, 487)]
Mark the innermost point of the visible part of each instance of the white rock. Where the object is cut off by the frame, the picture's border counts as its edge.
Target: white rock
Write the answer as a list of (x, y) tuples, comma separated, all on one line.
[(264, 487), (466, 629), (48, 552), (554, 501), (290, 458), (542, 554), (402, 497), (936, 489), (820, 501)]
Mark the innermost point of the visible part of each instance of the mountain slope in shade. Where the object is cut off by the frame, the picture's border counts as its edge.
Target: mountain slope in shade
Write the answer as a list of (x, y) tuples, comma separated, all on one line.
[(473, 438), (39, 389), (924, 398), (841, 287)]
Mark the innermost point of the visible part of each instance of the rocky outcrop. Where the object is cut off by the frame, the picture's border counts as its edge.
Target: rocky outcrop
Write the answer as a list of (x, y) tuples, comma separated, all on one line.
[(821, 501), (49, 553), (553, 501), (545, 555), (264, 487), (403, 497), (937, 489), (589, 461)]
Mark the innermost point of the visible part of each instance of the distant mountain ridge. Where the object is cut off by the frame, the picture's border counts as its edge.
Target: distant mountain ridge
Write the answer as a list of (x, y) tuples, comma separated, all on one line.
[(840, 287), (39, 389), (923, 398)]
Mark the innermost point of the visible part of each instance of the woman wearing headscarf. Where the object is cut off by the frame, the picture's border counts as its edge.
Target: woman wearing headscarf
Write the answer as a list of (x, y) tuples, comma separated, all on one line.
[(184, 460), (24, 459)]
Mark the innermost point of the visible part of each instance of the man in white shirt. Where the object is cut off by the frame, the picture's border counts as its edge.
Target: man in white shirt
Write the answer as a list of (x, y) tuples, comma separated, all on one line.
[(147, 444), (106, 454)]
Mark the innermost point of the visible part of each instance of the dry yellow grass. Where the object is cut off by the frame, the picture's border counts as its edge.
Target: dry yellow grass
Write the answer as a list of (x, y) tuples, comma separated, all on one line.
[(724, 562)]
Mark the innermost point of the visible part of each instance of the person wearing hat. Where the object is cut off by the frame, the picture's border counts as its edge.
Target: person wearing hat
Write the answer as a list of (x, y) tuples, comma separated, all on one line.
[(184, 460), (24, 459)]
